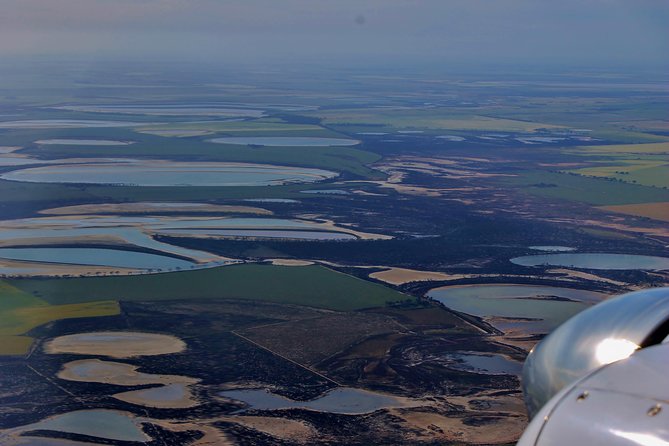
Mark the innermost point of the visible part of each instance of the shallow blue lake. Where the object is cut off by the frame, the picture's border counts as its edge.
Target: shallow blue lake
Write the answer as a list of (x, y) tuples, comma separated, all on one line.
[(343, 400), (93, 256), (164, 173), (487, 364), (285, 141), (100, 423), (596, 261), (537, 304), (296, 235)]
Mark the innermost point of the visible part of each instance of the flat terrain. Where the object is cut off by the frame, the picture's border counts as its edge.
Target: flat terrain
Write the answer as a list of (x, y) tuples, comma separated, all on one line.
[(245, 333), (314, 286)]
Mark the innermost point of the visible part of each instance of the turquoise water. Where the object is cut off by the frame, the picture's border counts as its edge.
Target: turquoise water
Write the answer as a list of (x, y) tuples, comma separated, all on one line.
[(343, 400), (161, 173), (596, 261), (96, 257), (285, 141)]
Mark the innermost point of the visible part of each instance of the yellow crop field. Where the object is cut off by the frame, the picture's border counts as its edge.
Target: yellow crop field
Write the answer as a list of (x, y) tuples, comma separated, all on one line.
[(652, 148), (21, 312), (429, 118), (15, 345), (642, 171), (656, 211)]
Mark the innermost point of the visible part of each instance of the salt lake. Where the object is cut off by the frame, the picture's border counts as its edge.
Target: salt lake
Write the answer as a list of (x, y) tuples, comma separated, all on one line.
[(487, 364), (286, 141), (543, 307), (101, 423), (95, 257), (117, 344), (166, 173), (83, 142), (342, 400), (596, 261), (295, 235), (64, 124)]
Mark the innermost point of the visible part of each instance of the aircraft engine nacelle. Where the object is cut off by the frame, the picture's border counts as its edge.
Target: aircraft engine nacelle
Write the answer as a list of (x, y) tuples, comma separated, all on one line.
[(602, 377)]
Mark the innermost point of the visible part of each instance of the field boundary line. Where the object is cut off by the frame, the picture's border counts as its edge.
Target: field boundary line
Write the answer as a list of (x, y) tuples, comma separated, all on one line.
[(287, 359)]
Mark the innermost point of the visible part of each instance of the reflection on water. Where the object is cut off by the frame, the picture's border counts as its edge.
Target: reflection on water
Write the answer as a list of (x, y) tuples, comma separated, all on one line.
[(515, 291), (344, 400), (484, 363), (540, 304), (596, 261)]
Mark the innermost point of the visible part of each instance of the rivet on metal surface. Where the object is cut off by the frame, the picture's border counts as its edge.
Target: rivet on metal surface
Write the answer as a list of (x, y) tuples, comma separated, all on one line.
[(656, 409), (583, 396)]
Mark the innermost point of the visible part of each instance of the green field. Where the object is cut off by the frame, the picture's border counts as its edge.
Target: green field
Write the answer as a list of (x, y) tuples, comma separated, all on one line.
[(28, 303), (314, 286), (20, 312), (636, 149), (643, 172), (427, 118), (600, 192), (644, 164)]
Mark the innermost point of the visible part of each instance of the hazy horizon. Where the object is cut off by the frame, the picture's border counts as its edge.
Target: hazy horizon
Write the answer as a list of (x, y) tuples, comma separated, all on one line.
[(586, 33)]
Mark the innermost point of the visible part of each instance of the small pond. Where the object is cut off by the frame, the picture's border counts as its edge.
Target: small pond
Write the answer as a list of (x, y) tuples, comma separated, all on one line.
[(101, 423)]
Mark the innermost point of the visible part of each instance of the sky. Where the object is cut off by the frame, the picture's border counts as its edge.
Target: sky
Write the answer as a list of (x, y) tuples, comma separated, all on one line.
[(571, 32)]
